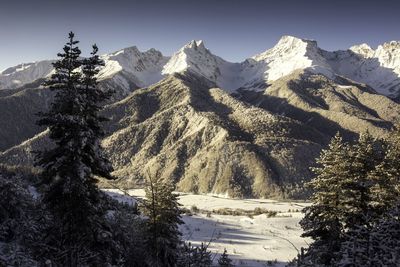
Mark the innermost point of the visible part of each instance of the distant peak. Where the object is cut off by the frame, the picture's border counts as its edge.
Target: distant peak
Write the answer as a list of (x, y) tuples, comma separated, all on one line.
[(362, 49), (195, 44), (292, 40), (391, 45), (362, 46), (127, 50), (152, 50), (131, 48), (288, 45)]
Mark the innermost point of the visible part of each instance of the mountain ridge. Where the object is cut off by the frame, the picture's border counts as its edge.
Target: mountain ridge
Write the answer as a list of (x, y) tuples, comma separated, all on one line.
[(379, 68), (194, 128), (249, 144)]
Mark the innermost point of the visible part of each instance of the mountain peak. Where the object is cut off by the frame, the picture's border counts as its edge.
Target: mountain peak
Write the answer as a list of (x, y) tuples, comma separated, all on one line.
[(286, 46), (362, 49), (195, 45), (292, 41), (192, 56), (291, 38), (391, 46)]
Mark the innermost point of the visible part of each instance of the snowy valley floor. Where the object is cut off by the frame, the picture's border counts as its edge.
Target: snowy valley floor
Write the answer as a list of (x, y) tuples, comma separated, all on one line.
[(251, 241)]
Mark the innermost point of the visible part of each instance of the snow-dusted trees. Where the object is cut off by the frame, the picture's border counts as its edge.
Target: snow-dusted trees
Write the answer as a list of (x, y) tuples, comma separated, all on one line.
[(163, 218), (355, 190), (323, 221), (386, 239), (224, 260), (21, 220), (378, 245), (358, 196), (190, 256), (70, 167), (386, 174)]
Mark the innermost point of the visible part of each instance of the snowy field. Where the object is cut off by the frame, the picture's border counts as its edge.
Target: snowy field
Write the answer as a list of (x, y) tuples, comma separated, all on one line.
[(251, 241)]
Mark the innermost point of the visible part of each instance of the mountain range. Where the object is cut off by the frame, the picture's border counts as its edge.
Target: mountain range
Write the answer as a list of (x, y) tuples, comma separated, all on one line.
[(249, 129)]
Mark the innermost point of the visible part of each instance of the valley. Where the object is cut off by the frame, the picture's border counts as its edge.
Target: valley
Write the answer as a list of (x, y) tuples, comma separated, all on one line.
[(251, 241)]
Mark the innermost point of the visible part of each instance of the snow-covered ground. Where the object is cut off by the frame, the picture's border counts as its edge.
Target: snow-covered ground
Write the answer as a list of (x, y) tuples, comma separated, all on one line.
[(250, 241)]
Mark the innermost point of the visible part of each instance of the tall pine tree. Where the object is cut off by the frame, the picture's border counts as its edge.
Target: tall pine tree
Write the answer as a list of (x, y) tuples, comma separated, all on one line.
[(378, 245), (386, 174), (357, 187), (69, 168), (323, 221), (163, 219), (351, 193)]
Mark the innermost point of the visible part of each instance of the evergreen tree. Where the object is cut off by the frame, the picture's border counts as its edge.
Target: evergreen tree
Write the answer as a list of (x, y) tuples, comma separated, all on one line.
[(386, 175), (344, 199), (164, 216), (191, 256), (385, 238), (69, 168), (201, 256), (323, 221), (224, 260), (356, 248), (94, 97), (357, 195), (379, 246), (354, 189)]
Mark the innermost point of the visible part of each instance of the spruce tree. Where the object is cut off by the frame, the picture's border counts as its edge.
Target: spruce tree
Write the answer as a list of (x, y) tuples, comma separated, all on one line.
[(323, 221), (386, 175), (385, 239), (224, 260), (201, 256), (94, 98), (354, 188), (191, 256), (378, 245), (163, 219), (69, 168), (355, 248), (357, 195)]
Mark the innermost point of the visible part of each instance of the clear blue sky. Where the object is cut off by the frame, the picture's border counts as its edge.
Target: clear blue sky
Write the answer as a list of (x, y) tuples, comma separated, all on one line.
[(36, 29)]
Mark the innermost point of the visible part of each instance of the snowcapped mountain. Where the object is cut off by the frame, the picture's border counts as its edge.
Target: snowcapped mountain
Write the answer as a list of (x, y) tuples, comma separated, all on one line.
[(378, 68), (130, 68), (288, 55), (145, 67), (195, 58), (125, 67), (17, 76)]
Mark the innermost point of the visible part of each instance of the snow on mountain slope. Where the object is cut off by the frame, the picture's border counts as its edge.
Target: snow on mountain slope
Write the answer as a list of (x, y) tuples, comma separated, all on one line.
[(378, 68), (290, 54), (144, 66), (24, 73), (196, 59)]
